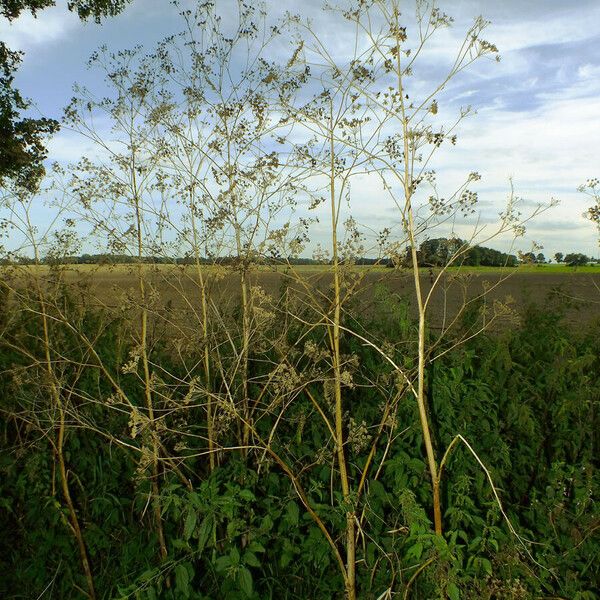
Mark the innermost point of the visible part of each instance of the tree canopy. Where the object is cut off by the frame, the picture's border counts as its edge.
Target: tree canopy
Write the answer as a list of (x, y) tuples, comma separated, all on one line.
[(438, 252), (576, 259), (97, 9), (22, 138)]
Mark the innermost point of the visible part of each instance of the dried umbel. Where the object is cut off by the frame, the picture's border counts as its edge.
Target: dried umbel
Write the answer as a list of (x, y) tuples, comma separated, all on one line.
[(131, 366), (138, 423), (358, 436), (285, 380), (144, 463), (194, 390), (592, 189), (225, 414), (315, 352)]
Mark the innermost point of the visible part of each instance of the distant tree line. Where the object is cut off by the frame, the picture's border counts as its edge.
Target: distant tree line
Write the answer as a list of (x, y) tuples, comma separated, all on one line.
[(573, 259), (439, 252), (100, 259), (432, 253)]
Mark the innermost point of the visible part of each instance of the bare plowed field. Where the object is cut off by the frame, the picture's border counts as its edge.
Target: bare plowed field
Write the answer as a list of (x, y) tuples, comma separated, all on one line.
[(501, 291)]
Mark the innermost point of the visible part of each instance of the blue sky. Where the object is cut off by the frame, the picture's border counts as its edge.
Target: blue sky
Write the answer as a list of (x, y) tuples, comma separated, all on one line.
[(538, 110)]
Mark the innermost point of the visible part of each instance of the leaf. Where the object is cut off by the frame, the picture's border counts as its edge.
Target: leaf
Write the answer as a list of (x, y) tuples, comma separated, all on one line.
[(453, 591), (245, 581), (206, 528), (266, 524), (377, 490), (190, 524), (292, 513), (251, 559), (222, 563), (288, 551), (247, 495), (234, 556), (182, 580), (487, 566), (415, 551), (256, 547)]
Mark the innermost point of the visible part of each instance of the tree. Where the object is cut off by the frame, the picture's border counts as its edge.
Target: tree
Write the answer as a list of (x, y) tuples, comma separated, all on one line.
[(97, 9), (576, 259), (22, 139), (437, 252), (22, 150), (558, 257)]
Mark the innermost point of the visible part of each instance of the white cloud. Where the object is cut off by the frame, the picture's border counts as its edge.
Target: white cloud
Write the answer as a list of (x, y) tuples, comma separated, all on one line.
[(538, 109), (558, 29), (589, 71), (28, 32), (548, 152), (68, 147)]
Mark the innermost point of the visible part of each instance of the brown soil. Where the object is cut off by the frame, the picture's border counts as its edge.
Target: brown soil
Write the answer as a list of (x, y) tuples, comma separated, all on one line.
[(499, 293)]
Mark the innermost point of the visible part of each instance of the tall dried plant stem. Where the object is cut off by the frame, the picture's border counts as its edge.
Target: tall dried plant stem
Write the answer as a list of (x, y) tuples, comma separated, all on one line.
[(246, 317), (64, 477), (206, 353), (334, 335), (410, 224), (246, 310), (64, 481), (147, 379)]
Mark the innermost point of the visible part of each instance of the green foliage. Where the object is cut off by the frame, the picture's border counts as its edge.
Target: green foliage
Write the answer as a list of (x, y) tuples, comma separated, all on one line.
[(438, 252), (576, 259), (526, 399), (22, 139), (22, 150), (11, 9)]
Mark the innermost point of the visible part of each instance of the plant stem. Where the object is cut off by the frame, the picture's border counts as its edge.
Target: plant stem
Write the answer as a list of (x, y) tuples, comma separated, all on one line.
[(339, 409), (410, 224)]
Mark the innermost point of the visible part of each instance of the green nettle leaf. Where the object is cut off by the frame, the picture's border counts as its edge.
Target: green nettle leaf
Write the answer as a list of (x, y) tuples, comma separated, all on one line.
[(288, 553), (377, 489), (487, 566), (182, 580), (292, 513), (147, 576), (247, 495), (256, 547), (222, 563), (190, 524), (204, 532), (251, 559), (453, 591), (415, 551), (245, 581), (180, 544), (234, 556), (285, 559), (266, 524)]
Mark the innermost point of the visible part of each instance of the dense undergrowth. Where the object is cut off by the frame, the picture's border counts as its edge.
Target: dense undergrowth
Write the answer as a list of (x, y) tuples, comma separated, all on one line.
[(526, 399)]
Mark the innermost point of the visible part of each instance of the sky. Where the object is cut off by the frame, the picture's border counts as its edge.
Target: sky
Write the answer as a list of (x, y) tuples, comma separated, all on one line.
[(538, 109)]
